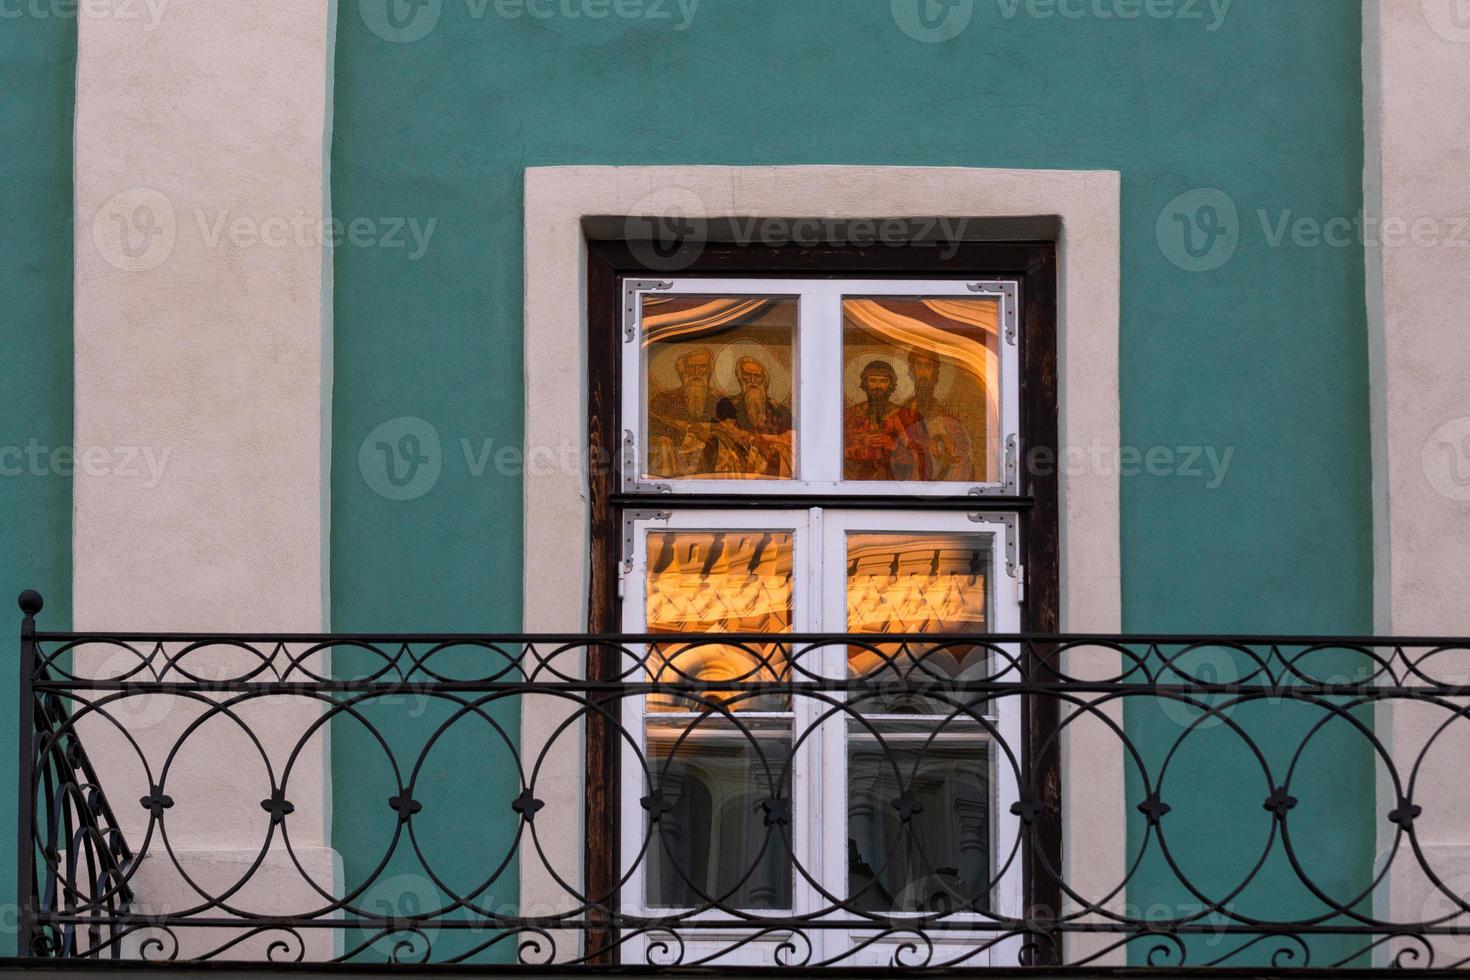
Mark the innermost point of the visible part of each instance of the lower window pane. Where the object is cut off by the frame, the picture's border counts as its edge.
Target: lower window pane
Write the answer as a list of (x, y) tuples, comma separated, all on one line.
[(919, 821), (719, 811)]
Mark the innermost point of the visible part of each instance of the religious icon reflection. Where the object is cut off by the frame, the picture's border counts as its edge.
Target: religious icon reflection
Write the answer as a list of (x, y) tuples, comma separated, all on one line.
[(884, 440), (945, 442), (753, 435), (718, 372), (922, 388)]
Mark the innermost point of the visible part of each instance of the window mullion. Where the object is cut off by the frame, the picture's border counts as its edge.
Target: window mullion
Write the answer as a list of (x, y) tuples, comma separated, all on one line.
[(819, 384)]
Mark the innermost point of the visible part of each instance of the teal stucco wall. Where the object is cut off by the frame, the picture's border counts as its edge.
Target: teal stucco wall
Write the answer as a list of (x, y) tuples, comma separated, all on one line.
[(35, 353), (1261, 357)]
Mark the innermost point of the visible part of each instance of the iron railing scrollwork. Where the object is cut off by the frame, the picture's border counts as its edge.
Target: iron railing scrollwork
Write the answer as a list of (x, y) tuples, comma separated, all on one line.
[(1255, 768), (75, 864)]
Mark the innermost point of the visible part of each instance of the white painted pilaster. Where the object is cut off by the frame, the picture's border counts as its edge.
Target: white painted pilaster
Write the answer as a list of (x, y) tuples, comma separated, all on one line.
[(202, 346), (1417, 192)]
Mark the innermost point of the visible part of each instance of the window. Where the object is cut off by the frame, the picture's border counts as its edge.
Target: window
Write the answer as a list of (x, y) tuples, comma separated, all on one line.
[(816, 457), (832, 386)]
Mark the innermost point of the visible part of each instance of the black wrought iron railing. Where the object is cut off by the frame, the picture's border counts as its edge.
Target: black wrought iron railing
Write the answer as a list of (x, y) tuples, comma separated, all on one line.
[(971, 792)]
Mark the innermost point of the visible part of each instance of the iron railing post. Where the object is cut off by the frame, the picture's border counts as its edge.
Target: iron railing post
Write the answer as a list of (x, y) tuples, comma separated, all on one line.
[(31, 603)]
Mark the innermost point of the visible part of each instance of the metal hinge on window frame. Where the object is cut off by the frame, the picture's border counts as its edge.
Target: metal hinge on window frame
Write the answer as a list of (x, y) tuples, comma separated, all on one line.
[(630, 539), (1010, 291), (1014, 568), (631, 289)]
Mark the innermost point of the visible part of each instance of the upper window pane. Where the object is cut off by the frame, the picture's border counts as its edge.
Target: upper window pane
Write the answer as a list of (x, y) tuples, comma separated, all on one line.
[(918, 583), (921, 383), (721, 399)]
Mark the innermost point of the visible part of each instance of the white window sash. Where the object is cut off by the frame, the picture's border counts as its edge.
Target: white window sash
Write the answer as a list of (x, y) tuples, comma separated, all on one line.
[(817, 401), (819, 778)]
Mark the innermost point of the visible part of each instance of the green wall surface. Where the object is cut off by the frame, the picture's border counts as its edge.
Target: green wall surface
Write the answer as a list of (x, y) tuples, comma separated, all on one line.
[(441, 104), (35, 354)]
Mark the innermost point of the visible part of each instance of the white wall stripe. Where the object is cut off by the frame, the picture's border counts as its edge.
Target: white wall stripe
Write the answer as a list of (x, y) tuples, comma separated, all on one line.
[(202, 331), (1416, 61)]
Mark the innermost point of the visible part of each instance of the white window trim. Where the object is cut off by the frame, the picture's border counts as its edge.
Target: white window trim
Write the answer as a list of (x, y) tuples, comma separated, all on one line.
[(1080, 210), (817, 365), (818, 549)]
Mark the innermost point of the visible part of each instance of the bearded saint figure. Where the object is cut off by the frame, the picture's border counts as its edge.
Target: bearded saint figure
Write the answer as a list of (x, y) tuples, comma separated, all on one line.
[(753, 429), (945, 440), (883, 441), (679, 418)]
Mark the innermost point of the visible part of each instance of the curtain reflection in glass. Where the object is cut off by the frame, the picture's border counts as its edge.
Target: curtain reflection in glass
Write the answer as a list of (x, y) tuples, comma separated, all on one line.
[(918, 774), (922, 387), (717, 789), (718, 374)]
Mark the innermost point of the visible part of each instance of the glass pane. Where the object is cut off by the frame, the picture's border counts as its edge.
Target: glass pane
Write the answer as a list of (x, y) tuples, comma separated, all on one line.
[(720, 792), (719, 382), (719, 582), (921, 379), (919, 821), (917, 583)]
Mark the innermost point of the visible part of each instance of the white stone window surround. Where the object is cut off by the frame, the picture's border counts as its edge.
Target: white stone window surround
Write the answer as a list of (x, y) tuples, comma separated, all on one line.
[(1080, 210)]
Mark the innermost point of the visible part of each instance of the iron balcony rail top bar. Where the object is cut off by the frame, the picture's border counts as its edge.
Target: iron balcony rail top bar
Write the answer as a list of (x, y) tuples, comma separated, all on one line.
[(951, 816)]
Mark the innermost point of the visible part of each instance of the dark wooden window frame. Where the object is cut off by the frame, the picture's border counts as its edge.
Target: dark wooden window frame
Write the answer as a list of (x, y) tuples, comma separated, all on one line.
[(1034, 264)]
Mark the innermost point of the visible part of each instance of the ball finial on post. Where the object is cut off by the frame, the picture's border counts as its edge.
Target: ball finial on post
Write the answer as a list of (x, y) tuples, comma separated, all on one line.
[(31, 602)]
